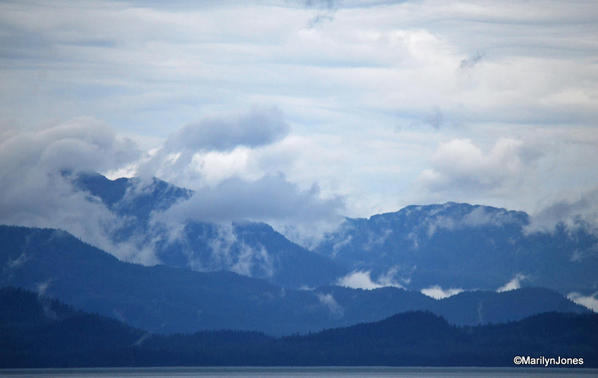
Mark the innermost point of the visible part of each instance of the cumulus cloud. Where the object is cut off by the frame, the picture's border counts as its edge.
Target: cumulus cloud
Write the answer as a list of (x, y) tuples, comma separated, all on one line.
[(213, 158), (361, 279), (438, 292), (37, 191), (224, 133), (513, 284), (461, 165), (589, 301)]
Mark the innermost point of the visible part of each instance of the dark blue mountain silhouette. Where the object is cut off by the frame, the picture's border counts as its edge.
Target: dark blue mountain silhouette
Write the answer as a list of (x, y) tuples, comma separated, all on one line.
[(39, 332)]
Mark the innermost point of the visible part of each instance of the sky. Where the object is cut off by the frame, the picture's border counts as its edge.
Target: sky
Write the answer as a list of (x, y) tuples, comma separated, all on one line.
[(299, 111)]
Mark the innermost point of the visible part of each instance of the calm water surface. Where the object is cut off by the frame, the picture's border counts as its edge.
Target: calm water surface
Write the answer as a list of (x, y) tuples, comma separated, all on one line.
[(292, 372)]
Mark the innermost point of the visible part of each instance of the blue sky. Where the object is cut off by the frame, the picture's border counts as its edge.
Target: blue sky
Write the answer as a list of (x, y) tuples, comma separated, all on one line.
[(350, 107)]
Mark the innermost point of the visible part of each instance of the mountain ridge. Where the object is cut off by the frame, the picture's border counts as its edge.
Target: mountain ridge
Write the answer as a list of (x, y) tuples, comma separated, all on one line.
[(170, 299), (456, 245), (413, 338)]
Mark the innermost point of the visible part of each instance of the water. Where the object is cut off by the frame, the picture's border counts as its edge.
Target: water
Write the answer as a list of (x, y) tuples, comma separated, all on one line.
[(295, 372)]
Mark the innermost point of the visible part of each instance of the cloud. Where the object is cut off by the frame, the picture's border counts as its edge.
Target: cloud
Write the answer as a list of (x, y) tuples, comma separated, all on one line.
[(589, 301), (328, 301), (230, 253), (255, 128), (271, 197), (326, 4), (380, 65), (438, 292), (479, 216), (573, 214), (470, 62), (461, 165), (513, 284), (362, 280), (177, 158), (38, 193)]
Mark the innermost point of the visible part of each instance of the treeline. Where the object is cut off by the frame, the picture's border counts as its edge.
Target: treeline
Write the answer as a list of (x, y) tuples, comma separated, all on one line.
[(37, 332)]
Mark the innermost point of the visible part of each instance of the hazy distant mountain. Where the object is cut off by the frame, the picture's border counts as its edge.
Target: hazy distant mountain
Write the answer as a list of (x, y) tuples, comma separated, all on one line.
[(466, 308), (464, 246), (168, 299), (248, 248), (39, 332)]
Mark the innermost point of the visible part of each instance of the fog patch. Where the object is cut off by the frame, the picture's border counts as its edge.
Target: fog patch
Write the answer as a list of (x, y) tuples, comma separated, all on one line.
[(513, 284), (40, 166), (438, 292), (361, 279), (328, 301), (589, 301), (580, 213)]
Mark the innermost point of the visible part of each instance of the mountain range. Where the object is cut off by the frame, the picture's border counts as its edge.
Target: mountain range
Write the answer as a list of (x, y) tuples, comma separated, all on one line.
[(169, 299), (456, 245), (249, 248), (486, 265), (40, 332), (451, 245)]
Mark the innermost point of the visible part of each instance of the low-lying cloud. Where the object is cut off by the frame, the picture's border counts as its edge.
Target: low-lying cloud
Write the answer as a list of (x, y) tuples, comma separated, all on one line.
[(328, 301), (361, 279), (513, 284), (438, 292), (271, 197), (573, 214), (589, 301), (37, 189)]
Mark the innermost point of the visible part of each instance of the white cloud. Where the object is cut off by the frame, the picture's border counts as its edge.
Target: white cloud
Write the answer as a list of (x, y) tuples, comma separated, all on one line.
[(589, 301), (361, 88), (362, 280), (331, 304), (438, 292), (581, 212), (460, 164), (513, 284), (255, 128), (271, 197), (39, 194)]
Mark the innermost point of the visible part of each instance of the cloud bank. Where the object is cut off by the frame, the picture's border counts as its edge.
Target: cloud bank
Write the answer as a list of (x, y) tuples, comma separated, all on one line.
[(37, 189)]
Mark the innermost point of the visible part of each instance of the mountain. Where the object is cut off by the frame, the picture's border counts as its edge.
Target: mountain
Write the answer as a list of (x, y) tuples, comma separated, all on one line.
[(424, 339), (465, 246), (466, 308), (38, 332), (158, 298), (167, 299), (247, 248), (453, 245)]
